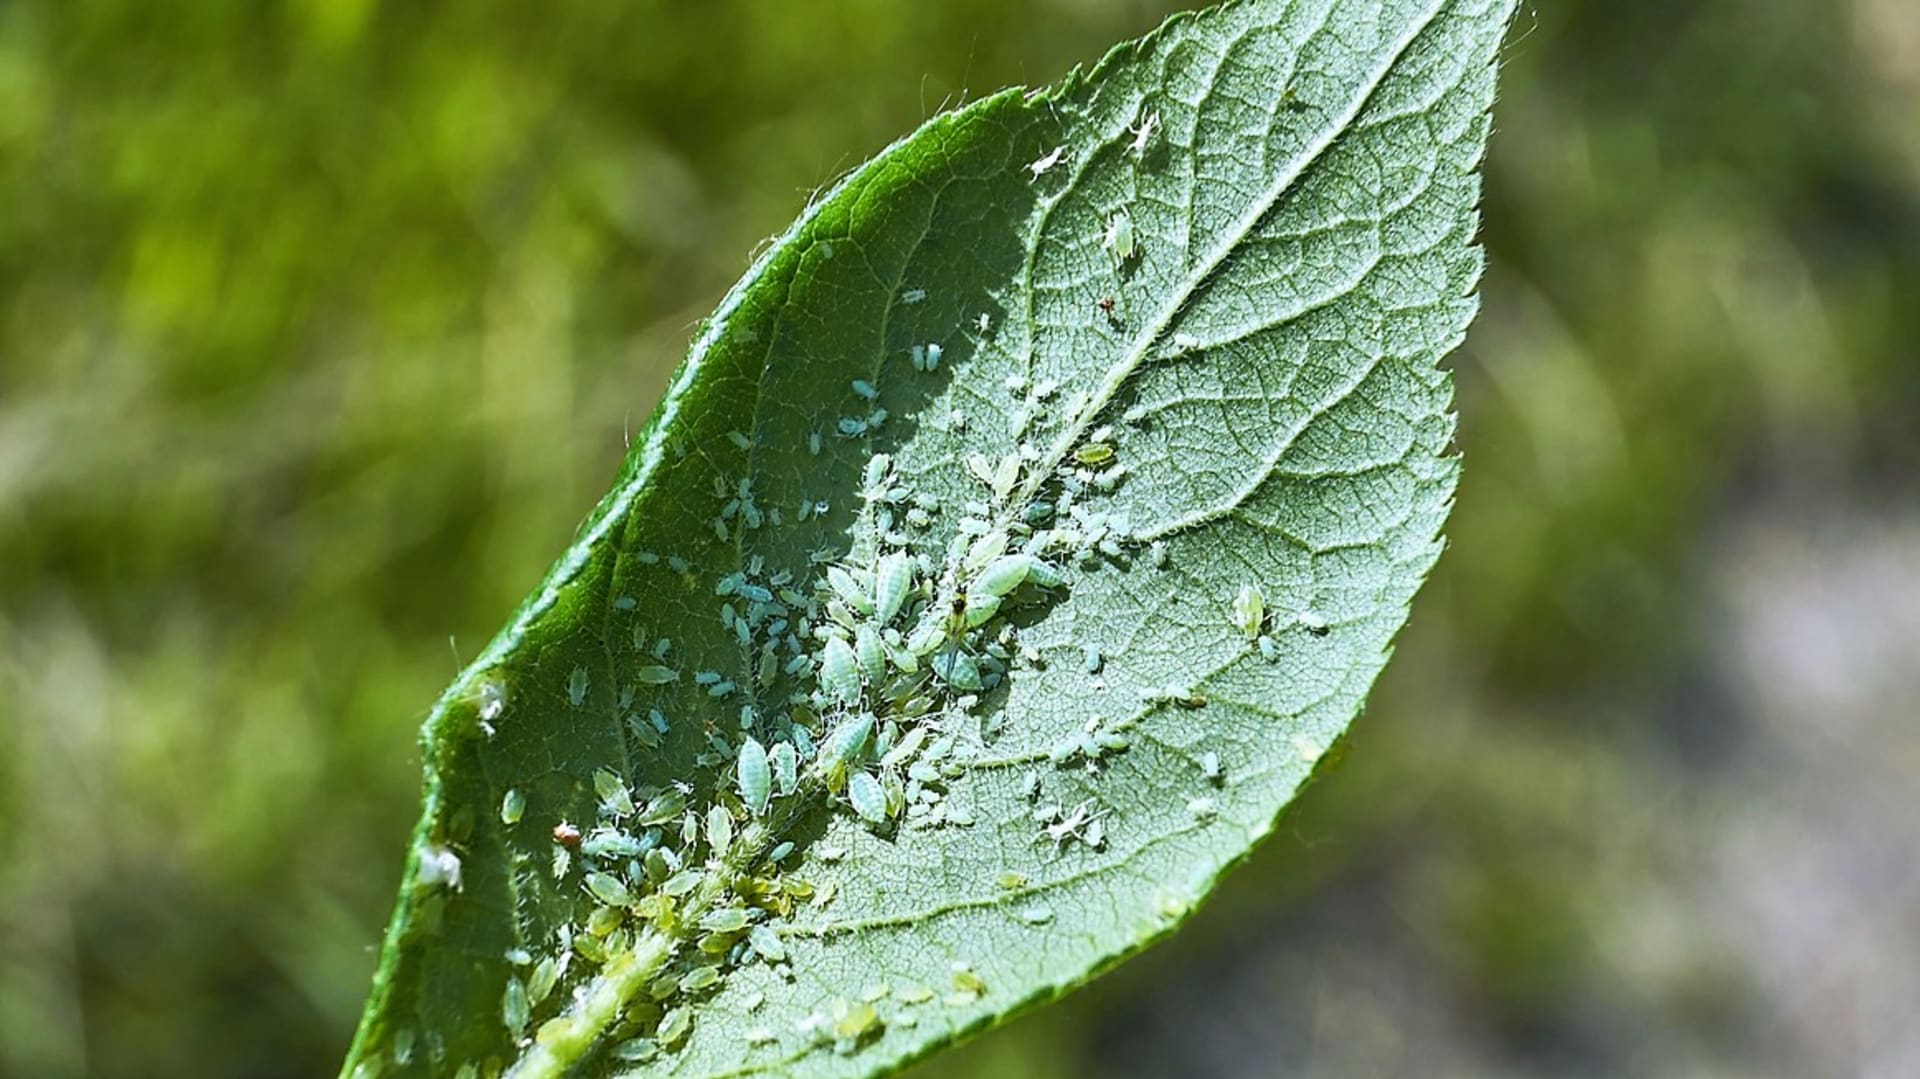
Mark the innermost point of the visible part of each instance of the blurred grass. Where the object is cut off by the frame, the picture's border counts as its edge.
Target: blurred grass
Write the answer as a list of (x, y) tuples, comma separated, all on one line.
[(320, 323)]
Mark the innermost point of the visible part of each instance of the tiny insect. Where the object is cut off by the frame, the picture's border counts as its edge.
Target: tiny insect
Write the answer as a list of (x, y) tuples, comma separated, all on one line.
[(767, 942), (1106, 304), (868, 799), (1313, 623), (913, 296), (1119, 240), (840, 671), (512, 805), (1143, 134), (1210, 766), (719, 830), (865, 389), (1045, 164), (983, 323), (577, 687), (892, 579), (1249, 610), (786, 767), (514, 1008), (755, 776), (868, 649), (566, 834)]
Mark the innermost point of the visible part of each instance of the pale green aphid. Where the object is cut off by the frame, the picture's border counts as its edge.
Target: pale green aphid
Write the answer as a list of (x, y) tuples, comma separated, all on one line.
[(577, 687), (655, 675), (512, 805), (724, 920), (840, 670), (514, 1008), (1119, 240), (1249, 610), (892, 579), (719, 830), (844, 745), (613, 793), (755, 776), (608, 889), (699, 978), (786, 767), (768, 943), (868, 799), (849, 590), (868, 650)]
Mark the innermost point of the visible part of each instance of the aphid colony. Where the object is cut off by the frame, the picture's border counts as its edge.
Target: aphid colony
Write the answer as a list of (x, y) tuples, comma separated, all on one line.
[(879, 661)]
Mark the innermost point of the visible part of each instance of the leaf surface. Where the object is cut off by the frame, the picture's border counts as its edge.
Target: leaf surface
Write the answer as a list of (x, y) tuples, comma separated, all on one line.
[(1172, 329)]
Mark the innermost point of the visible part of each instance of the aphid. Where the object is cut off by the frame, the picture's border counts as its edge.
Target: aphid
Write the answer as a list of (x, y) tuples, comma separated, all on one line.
[(608, 889), (655, 675), (512, 805), (724, 920), (577, 687), (614, 797), (1093, 659), (1093, 453), (1105, 304), (1249, 610), (566, 834), (1143, 134), (839, 670), (1185, 342), (514, 1008), (1202, 808), (767, 942), (1210, 766), (868, 650), (934, 352), (1011, 881), (1157, 554), (719, 830), (892, 579), (1045, 164), (983, 323), (868, 799), (755, 776), (865, 389), (1313, 622), (1036, 915), (675, 1027), (813, 443), (849, 590), (699, 978), (1119, 239), (785, 767), (846, 742), (1268, 650), (913, 296)]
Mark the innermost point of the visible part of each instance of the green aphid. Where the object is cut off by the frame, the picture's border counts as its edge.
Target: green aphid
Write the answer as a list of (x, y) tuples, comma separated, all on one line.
[(1119, 238), (786, 767), (1250, 611), (840, 671), (608, 889), (613, 793), (870, 653), (655, 675), (768, 943), (755, 776), (719, 830), (892, 581), (843, 746), (724, 920), (512, 805), (868, 799)]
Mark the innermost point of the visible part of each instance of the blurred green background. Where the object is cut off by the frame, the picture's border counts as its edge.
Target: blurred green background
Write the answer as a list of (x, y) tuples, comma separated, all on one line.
[(321, 321)]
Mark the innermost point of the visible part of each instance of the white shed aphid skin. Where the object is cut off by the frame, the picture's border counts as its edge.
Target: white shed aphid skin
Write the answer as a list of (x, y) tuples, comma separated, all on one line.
[(1210, 766), (1202, 808), (983, 323), (1313, 622), (933, 354), (438, 865), (755, 776), (1045, 163), (913, 296), (1249, 611), (492, 697), (512, 805), (1143, 135)]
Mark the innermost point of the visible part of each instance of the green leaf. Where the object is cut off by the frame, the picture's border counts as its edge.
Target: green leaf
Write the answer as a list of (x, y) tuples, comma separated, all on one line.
[(1173, 329)]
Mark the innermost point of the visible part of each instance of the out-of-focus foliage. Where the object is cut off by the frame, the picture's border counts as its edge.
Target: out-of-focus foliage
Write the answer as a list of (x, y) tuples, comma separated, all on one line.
[(320, 322)]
